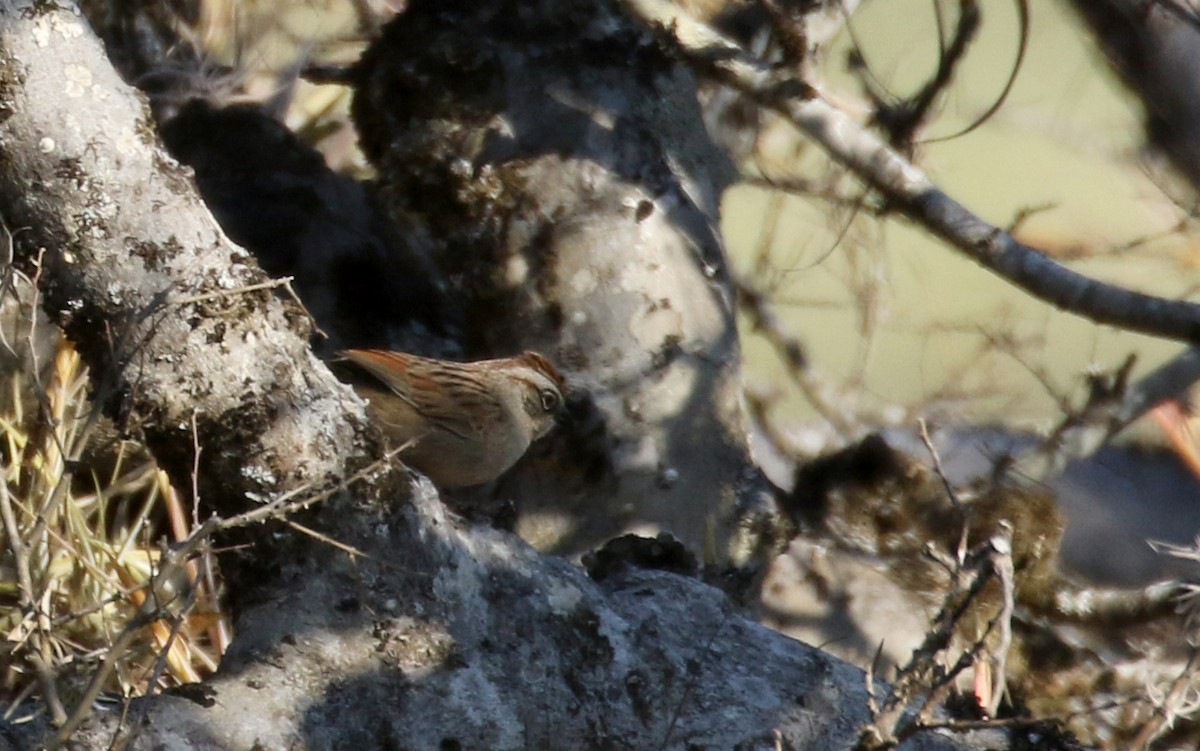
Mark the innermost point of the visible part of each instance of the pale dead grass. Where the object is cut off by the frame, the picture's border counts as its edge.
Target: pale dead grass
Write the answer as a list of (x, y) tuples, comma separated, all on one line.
[(80, 551)]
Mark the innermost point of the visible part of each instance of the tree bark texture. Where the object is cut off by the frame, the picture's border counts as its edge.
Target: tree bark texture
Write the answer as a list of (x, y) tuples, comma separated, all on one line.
[(559, 155), (431, 634), (184, 343)]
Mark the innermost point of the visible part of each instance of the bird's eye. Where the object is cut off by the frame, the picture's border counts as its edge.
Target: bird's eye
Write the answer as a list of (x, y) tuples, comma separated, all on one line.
[(550, 399)]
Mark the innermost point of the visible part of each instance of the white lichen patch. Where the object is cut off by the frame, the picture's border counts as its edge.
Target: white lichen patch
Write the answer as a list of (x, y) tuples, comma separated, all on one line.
[(78, 80), (49, 24), (516, 271), (641, 454), (127, 143), (655, 323), (583, 282), (668, 396), (115, 292), (259, 475), (563, 597)]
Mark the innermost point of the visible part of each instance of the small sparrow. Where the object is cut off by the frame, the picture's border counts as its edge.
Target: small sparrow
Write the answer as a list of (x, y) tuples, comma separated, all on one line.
[(467, 422)]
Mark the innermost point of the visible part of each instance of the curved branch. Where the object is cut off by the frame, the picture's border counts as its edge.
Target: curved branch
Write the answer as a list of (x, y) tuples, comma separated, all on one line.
[(910, 191), (994, 107), (435, 634)]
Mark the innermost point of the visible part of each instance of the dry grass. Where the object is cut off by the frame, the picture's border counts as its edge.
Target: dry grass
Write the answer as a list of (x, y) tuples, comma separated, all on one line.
[(80, 551), (84, 514)]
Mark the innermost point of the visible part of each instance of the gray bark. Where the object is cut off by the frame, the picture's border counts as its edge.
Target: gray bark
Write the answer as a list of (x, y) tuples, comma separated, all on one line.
[(561, 159), (141, 278), (435, 634)]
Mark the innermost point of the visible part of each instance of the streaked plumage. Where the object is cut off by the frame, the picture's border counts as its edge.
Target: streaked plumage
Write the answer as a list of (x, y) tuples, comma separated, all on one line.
[(469, 422)]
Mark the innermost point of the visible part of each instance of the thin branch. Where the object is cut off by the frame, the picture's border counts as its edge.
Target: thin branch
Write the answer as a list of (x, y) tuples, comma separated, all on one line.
[(1022, 49), (1002, 568), (951, 493), (923, 682), (1179, 701), (1101, 420), (798, 186), (910, 191), (902, 120), (171, 570), (788, 25), (791, 350)]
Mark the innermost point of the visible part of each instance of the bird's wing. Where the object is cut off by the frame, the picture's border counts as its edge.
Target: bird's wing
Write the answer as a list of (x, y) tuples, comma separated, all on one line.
[(448, 400)]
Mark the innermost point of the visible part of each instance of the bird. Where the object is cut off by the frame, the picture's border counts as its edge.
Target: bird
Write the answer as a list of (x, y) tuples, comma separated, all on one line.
[(460, 423)]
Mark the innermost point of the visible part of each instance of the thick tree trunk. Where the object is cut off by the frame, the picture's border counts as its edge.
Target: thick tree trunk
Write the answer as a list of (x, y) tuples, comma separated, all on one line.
[(561, 157), (139, 275), (433, 634)]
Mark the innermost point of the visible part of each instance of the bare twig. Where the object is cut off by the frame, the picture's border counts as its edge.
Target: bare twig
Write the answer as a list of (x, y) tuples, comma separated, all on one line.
[(787, 23), (172, 578), (1085, 431), (691, 682), (284, 282), (350, 550), (1022, 48), (289, 502), (1002, 569), (951, 493), (16, 545), (911, 191), (901, 121), (921, 684), (808, 188), (791, 351), (171, 570), (1179, 700)]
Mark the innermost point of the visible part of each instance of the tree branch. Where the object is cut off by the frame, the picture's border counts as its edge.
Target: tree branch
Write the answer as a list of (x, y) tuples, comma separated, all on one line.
[(417, 631), (910, 191), (155, 297)]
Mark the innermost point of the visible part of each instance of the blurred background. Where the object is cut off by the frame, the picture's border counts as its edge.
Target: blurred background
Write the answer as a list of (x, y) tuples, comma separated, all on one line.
[(902, 322), (894, 326), (886, 308)]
